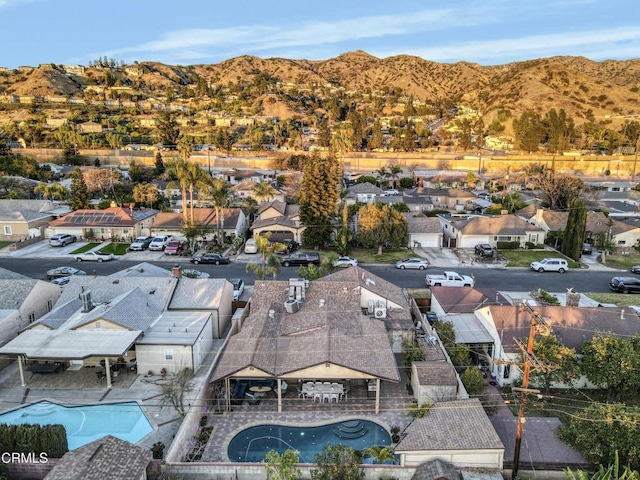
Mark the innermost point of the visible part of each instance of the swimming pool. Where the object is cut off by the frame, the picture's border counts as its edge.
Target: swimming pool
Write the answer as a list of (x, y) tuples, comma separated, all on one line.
[(86, 423), (253, 443)]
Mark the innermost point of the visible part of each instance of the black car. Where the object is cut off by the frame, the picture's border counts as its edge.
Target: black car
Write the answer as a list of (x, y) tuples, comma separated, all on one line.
[(63, 272), (625, 284), (484, 250), (300, 259), (214, 258)]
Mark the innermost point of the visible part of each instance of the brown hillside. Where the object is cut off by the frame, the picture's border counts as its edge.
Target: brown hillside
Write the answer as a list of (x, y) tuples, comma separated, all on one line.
[(44, 82)]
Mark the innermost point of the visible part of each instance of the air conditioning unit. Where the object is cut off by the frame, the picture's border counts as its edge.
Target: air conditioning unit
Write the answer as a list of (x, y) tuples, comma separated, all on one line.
[(292, 306), (380, 312), (370, 306)]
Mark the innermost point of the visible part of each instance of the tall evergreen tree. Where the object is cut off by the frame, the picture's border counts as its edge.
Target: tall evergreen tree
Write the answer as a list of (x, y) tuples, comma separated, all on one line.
[(319, 198), (159, 164), (574, 231), (79, 191)]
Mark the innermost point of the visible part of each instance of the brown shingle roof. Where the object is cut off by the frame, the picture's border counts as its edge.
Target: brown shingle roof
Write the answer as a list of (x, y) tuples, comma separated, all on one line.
[(422, 224), (440, 373), (455, 425), (108, 457), (572, 325), (328, 328), (466, 299), (500, 225)]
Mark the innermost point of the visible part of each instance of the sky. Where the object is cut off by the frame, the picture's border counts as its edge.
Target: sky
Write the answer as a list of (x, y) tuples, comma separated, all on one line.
[(188, 32)]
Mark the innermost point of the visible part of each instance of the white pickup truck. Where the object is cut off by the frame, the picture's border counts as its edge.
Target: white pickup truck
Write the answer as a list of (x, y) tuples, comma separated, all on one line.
[(450, 279)]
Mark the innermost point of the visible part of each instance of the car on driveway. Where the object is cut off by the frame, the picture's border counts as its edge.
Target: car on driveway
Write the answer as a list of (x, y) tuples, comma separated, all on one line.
[(174, 247), (345, 262), (159, 242), (625, 284), (391, 192), (483, 250), (413, 262), (140, 244), (238, 288), (94, 257), (559, 265), (61, 240), (212, 258), (61, 272), (192, 273)]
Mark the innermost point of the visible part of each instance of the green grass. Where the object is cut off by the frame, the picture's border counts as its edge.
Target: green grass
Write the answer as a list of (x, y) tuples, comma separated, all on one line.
[(523, 258), (623, 262), (619, 299), (5, 244), (116, 248), (366, 255), (85, 248)]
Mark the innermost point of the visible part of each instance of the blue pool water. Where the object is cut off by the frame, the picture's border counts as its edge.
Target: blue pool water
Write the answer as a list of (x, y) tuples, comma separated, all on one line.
[(252, 444), (86, 423)]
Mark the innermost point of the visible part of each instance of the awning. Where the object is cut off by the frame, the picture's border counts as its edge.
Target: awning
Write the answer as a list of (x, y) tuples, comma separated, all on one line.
[(70, 344)]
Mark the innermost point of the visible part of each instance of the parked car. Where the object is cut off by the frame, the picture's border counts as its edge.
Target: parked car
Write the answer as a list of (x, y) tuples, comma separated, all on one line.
[(484, 250), (345, 262), (300, 259), (413, 262), (251, 246), (159, 242), (61, 281), (625, 284), (559, 265), (61, 272), (635, 269), (238, 288), (192, 273), (391, 192), (140, 243), (174, 247), (94, 257), (587, 249), (213, 258), (61, 240)]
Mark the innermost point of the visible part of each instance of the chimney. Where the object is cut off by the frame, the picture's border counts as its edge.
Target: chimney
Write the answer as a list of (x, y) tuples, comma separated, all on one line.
[(176, 271), (573, 298)]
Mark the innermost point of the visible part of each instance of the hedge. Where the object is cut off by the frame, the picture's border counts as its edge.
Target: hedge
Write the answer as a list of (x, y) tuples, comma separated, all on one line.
[(49, 439), (508, 245)]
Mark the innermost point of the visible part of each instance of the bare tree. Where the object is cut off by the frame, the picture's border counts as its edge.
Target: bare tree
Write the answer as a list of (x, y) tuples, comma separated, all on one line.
[(175, 388)]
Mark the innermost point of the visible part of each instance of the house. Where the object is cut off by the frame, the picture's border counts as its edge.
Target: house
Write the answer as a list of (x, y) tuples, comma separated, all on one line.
[(112, 222), (554, 223), (23, 300), (236, 175), (319, 330), (99, 320), (232, 221), (423, 231), (572, 325), (364, 192), (434, 382), (107, 457), (445, 301), (625, 233), (90, 127), (246, 189), (22, 219), (55, 122), (280, 219), (468, 232), (444, 433)]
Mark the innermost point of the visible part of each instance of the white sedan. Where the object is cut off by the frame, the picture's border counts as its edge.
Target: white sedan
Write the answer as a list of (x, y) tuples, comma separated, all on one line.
[(94, 257), (345, 262)]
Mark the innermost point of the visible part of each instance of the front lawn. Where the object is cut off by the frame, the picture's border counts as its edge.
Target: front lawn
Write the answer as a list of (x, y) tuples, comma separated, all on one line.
[(116, 248), (85, 248), (523, 258), (623, 262), (5, 244), (369, 255), (619, 299)]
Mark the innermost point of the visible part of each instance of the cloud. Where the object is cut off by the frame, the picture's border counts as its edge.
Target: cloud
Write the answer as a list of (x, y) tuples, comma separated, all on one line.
[(594, 44), (259, 38), (11, 3)]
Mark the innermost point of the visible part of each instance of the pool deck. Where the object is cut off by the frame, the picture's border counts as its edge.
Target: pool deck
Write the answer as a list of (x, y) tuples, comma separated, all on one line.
[(394, 403), (81, 387)]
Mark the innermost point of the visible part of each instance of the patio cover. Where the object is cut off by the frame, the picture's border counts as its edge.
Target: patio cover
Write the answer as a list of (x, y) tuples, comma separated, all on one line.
[(469, 329), (70, 344)]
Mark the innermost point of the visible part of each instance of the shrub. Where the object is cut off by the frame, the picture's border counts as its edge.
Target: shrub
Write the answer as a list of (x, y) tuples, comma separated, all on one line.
[(416, 411), (406, 182), (508, 245), (534, 246)]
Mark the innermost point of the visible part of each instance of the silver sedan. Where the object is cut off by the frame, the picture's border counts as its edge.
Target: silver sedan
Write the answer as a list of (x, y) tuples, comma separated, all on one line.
[(413, 262)]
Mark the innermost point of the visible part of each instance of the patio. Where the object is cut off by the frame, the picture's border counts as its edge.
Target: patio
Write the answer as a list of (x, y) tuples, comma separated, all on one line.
[(394, 404), (69, 378)]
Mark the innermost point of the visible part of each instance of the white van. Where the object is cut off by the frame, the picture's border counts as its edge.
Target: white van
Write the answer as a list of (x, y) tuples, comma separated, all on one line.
[(251, 246)]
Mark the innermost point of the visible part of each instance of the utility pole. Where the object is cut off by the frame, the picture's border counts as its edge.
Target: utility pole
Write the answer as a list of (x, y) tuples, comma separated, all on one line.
[(537, 322)]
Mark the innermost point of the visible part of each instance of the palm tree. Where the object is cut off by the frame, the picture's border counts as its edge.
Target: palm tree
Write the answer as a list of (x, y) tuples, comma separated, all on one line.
[(394, 172), (341, 141), (380, 454), (195, 177), (381, 175), (270, 263), (263, 191), (179, 169), (51, 191), (217, 192)]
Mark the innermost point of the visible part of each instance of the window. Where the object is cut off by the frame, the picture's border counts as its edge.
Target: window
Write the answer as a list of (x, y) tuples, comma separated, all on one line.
[(507, 371), (621, 242), (7, 230), (503, 238), (168, 354), (32, 317)]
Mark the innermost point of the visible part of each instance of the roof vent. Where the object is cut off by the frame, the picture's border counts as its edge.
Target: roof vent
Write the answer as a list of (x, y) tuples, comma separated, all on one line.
[(116, 281), (152, 291)]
